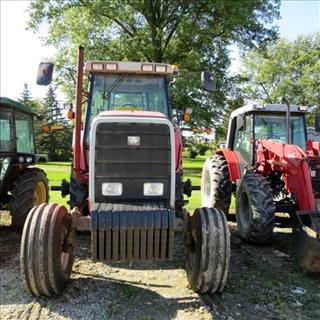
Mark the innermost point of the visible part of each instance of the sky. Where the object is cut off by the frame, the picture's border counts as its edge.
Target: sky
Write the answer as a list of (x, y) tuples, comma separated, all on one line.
[(21, 51)]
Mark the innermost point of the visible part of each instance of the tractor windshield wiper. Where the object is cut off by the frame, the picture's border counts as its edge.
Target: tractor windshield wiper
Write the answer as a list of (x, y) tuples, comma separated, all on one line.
[(112, 87)]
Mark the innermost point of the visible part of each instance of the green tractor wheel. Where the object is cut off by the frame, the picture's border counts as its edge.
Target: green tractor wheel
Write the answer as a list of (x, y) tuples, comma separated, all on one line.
[(29, 190)]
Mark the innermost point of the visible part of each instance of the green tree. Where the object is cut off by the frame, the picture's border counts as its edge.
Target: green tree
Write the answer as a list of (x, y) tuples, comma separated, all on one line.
[(194, 34), (288, 69), (37, 107), (56, 143), (25, 96)]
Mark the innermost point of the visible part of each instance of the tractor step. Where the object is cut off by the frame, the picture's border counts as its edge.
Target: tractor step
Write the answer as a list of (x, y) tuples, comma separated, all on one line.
[(125, 233)]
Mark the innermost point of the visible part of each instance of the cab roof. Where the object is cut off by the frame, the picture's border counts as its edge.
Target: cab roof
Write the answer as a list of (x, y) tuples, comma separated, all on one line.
[(16, 105), (267, 108)]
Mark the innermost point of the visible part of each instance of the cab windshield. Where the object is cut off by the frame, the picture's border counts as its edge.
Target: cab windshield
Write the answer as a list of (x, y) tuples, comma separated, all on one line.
[(6, 132), (275, 127), (127, 92)]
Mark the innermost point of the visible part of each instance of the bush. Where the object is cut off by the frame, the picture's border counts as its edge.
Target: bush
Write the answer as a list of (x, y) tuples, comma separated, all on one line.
[(192, 148)]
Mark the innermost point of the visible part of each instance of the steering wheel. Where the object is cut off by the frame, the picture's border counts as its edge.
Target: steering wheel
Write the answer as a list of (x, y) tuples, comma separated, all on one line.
[(129, 106)]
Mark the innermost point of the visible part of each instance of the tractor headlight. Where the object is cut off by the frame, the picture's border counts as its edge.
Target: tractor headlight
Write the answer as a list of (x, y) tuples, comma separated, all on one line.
[(112, 189), (153, 189), (21, 159), (29, 159)]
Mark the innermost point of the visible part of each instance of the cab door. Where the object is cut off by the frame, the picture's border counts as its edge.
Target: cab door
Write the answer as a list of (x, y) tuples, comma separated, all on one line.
[(243, 141)]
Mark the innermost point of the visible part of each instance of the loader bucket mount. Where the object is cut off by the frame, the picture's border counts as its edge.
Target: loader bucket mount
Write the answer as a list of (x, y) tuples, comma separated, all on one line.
[(306, 240)]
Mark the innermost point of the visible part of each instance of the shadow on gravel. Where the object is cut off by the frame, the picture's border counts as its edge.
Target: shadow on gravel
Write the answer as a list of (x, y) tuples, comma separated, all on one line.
[(98, 298), (100, 277)]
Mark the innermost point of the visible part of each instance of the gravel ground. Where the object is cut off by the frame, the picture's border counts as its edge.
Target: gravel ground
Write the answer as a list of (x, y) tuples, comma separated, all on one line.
[(264, 283)]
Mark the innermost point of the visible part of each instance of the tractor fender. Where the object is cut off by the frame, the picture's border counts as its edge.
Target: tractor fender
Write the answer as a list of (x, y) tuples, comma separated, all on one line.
[(233, 163)]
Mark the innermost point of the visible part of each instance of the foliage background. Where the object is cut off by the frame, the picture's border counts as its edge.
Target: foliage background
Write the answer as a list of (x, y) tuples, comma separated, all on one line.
[(194, 34)]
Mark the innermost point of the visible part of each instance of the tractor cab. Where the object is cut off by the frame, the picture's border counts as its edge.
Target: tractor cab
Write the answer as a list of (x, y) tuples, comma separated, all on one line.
[(16, 127), (16, 139), (127, 86), (255, 122)]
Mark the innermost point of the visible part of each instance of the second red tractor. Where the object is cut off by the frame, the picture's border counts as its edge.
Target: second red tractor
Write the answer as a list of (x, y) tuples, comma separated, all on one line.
[(270, 166)]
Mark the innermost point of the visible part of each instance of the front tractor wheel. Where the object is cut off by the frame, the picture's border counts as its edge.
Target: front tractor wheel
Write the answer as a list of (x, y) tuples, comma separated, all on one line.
[(29, 190), (46, 255), (208, 250), (216, 187), (255, 209)]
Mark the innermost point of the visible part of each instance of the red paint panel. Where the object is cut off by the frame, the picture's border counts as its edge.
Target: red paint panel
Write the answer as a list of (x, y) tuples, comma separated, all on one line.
[(233, 164), (292, 161)]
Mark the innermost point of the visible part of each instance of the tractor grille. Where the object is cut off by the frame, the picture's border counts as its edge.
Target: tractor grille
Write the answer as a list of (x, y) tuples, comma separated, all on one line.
[(315, 176), (132, 165)]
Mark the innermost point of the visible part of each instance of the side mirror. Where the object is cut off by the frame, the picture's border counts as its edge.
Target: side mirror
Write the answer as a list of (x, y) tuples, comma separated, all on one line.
[(45, 72), (208, 81), (317, 123)]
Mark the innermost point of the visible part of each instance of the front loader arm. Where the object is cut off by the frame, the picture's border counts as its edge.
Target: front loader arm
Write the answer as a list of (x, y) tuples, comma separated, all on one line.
[(293, 162)]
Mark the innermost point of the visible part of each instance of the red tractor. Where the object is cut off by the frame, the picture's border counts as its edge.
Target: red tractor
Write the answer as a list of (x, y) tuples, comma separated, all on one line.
[(270, 166), (126, 184)]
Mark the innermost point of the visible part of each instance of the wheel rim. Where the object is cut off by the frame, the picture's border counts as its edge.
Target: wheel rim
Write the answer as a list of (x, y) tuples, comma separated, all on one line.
[(244, 210), (40, 194)]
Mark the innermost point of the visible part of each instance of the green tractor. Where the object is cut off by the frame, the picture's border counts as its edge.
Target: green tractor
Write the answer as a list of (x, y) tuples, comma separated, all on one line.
[(22, 186)]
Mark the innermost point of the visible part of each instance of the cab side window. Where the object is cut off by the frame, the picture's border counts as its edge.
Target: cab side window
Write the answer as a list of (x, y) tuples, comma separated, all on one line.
[(24, 133)]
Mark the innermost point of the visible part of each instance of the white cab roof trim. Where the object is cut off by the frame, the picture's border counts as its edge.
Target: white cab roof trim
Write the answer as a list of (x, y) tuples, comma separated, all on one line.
[(266, 107)]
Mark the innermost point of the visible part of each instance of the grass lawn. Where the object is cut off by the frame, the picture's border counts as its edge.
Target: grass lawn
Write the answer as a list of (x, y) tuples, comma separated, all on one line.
[(56, 171)]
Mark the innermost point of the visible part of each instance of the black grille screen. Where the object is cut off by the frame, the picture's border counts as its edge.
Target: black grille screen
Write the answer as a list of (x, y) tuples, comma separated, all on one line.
[(132, 165), (315, 179)]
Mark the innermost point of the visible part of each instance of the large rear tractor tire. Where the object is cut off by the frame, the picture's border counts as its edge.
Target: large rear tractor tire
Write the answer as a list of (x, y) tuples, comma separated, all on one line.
[(216, 187), (46, 255), (29, 190), (208, 250), (255, 209)]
